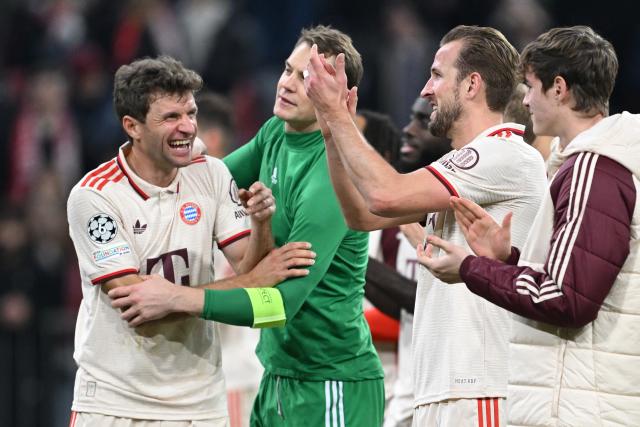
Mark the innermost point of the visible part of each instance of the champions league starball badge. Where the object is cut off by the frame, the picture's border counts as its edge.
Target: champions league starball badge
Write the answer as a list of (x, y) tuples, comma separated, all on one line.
[(102, 228)]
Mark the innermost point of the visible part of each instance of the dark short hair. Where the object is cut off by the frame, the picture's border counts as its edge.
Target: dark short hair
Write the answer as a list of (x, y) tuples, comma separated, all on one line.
[(517, 112), (136, 84), (214, 110), (585, 60), (382, 134), (331, 42), (486, 51)]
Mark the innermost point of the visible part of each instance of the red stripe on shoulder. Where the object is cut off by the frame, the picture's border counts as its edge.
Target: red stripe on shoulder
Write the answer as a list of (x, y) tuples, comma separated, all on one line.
[(97, 172), (199, 159), (233, 238), (507, 131), (101, 279), (450, 188)]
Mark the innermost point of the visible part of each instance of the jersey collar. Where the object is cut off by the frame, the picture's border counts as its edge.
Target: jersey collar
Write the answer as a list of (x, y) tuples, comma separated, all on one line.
[(140, 186), (503, 130)]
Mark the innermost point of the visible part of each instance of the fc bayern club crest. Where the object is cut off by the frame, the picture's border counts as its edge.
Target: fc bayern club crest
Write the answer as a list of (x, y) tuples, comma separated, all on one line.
[(190, 213), (102, 228)]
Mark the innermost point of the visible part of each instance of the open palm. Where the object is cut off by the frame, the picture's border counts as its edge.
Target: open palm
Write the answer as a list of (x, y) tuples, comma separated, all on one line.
[(483, 234)]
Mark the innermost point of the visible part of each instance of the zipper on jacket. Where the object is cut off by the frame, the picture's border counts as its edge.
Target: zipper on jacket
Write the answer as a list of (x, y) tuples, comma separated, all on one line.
[(559, 375)]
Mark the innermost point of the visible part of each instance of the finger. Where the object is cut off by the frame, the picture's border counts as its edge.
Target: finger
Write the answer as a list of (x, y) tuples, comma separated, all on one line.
[(439, 243), (295, 272), (340, 65), (245, 196), (137, 321), (423, 256), (352, 100), (129, 313), (119, 292), (296, 245), (327, 65), (299, 253), (123, 302), (463, 209), (315, 63), (299, 262), (463, 222), (506, 222), (472, 208), (259, 188)]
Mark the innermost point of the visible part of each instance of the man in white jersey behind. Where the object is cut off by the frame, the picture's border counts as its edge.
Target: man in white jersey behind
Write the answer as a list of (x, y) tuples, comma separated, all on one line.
[(459, 340), (157, 209)]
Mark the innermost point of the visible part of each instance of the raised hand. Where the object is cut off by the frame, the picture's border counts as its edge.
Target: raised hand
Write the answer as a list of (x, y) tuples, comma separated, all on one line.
[(325, 84), (445, 267), (258, 201), (282, 263), (483, 234)]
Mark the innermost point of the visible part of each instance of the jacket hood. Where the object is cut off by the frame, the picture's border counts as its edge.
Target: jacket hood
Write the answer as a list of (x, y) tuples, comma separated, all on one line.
[(616, 137)]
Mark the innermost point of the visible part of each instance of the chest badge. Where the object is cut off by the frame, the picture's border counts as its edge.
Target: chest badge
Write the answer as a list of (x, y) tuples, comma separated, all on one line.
[(190, 213)]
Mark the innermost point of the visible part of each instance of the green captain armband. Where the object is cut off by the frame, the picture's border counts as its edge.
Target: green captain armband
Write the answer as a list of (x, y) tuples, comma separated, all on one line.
[(268, 308)]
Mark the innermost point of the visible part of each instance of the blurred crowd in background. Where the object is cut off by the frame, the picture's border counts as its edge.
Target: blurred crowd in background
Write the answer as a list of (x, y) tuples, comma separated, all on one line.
[(57, 60)]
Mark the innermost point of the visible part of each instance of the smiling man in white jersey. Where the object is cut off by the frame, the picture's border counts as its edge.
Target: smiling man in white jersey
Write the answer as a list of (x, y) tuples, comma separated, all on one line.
[(459, 340), (157, 209)]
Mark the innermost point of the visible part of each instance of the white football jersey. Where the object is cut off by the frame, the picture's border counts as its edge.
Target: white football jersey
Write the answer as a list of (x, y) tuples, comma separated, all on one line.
[(460, 340), (119, 224)]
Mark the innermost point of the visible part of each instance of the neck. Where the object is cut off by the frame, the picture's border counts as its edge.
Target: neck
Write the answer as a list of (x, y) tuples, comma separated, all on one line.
[(576, 124), (471, 124), (145, 168), (291, 127)]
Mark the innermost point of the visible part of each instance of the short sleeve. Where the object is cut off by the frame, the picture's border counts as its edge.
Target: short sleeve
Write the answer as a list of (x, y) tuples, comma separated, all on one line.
[(488, 170), (102, 244), (231, 222)]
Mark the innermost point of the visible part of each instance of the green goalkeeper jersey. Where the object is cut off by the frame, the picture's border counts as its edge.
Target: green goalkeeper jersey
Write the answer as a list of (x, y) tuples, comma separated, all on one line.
[(325, 335)]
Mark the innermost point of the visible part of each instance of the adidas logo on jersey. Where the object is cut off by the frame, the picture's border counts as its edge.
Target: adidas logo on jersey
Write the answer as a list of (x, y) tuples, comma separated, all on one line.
[(139, 229)]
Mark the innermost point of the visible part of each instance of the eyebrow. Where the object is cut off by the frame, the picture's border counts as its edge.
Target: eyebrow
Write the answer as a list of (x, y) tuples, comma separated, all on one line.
[(287, 64)]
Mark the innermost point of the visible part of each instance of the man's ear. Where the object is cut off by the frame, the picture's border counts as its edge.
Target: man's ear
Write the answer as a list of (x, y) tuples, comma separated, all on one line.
[(132, 127), (473, 84), (560, 89)]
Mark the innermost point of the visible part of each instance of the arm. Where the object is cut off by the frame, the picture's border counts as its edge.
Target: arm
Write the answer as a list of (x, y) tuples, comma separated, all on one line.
[(385, 192), (259, 203), (354, 208), (153, 297), (388, 290), (582, 262)]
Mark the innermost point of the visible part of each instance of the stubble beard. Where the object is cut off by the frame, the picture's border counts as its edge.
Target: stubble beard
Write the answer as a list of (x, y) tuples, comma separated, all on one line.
[(445, 117)]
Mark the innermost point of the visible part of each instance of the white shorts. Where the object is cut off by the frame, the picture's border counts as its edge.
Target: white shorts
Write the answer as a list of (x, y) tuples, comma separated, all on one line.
[(486, 412), (88, 419)]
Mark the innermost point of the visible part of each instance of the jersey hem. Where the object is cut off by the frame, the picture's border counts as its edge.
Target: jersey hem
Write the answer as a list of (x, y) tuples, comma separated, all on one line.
[(472, 394), (155, 416)]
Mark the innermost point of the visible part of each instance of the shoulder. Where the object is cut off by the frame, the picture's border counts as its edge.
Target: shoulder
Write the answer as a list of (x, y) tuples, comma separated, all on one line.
[(101, 177)]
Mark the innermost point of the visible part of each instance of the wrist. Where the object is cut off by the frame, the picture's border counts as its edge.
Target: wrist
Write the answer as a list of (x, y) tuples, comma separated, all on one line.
[(189, 300)]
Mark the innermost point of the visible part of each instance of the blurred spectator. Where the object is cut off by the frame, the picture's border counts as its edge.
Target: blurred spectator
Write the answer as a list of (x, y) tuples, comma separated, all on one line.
[(215, 124), (99, 129), (404, 60), (44, 136)]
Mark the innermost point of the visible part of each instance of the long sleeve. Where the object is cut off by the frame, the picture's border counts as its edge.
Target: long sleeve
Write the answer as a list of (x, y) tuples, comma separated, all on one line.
[(388, 290), (594, 202)]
